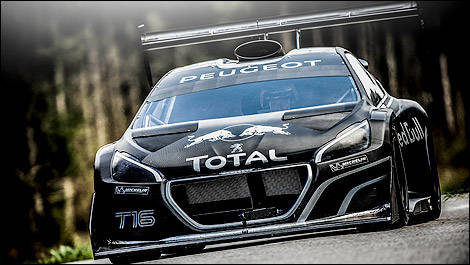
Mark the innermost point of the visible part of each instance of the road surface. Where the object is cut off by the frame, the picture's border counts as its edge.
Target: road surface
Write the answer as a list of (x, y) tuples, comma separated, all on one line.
[(445, 240)]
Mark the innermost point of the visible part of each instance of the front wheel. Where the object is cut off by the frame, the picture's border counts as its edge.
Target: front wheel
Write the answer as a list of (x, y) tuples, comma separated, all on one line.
[(399, 195), (434, 190), (132, 258), (190, 249), (435, 207), (399, 201), (436, 187)]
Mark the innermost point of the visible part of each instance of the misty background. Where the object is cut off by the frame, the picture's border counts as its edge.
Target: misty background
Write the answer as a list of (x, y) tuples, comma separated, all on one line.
[(72, 78)]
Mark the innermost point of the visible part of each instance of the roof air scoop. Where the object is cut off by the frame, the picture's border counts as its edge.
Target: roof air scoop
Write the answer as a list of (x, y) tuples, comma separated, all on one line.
[(258, 49)]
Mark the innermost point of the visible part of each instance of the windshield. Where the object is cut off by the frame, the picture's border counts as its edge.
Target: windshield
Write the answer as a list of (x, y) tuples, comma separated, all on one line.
[(248, 99)]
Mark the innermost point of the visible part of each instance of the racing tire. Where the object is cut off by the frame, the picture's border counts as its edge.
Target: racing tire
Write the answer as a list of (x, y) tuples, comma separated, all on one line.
[(132, 258), (191, 249), (195, 249), (399, 194), (400, 204), (435, 189), (435, 211), (436, 206)]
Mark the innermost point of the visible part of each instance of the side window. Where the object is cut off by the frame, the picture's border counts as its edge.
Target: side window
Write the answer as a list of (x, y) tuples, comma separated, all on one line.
[(378, 87), (381, 88), (374, 93)]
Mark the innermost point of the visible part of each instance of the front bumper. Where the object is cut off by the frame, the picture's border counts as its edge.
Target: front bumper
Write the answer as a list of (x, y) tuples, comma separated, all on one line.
[(348, 198), (378, 215)]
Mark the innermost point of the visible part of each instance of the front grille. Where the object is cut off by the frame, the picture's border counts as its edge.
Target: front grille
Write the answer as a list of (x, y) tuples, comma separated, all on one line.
[(228, 188), (281, 182), (239, 198)]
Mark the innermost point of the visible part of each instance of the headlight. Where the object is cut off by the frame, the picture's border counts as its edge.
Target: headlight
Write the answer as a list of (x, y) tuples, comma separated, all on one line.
[(126, 168), (353, 139)]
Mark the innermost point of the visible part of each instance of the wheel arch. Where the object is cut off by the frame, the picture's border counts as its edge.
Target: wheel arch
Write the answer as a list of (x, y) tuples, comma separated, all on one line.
[(412, 125)]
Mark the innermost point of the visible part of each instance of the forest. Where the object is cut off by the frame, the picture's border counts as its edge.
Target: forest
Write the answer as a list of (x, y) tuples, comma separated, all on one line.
[(74, 79)]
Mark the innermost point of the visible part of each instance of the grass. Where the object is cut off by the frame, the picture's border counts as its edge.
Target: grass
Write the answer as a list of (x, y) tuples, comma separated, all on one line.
[(454, 180), (81, 250), (63, 254)]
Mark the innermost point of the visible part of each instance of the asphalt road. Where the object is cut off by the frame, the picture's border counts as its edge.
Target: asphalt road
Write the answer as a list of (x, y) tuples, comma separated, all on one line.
[(445, 240)]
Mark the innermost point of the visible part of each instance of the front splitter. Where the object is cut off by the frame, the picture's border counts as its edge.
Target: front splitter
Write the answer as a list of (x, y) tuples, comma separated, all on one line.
[(330, 223)]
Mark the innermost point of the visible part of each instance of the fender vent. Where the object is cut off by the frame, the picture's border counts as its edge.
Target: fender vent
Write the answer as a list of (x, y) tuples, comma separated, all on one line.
[(258, 49)]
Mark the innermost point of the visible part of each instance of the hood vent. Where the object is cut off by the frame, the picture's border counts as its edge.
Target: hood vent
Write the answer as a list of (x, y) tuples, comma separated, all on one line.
[(258, 49)]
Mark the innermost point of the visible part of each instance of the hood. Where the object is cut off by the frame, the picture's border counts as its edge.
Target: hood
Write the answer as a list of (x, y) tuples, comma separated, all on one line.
[(254, 141)]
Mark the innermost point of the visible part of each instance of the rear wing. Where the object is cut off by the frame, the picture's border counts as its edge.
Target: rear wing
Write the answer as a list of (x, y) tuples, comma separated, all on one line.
[(263, 27)]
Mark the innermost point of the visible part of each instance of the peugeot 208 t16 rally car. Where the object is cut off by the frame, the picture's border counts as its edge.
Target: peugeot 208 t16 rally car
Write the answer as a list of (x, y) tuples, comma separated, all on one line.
[(265, 145)]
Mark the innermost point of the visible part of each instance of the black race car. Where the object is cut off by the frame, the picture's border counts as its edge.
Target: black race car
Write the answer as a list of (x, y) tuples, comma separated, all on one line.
[(265, 145)]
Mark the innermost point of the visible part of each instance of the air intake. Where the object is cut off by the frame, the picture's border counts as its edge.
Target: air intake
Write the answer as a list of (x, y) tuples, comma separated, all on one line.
[(258, 49)]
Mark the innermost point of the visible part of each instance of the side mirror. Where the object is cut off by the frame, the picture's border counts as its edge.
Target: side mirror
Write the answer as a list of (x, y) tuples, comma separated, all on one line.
[(364, 63)]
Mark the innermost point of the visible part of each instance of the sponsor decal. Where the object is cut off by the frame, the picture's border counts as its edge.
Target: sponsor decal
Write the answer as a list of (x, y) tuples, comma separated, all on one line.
[(218, 162), (409, 134), (131, 190), (237, 133), (144, 218), (211, 137), (249, 70), (348, 163), (261, 130)]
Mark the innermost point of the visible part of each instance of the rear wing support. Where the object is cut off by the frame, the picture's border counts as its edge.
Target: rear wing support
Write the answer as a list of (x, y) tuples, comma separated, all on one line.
[(148, 71), (263, 27)]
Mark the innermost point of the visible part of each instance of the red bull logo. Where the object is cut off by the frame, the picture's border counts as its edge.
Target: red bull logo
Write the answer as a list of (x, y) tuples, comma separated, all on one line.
[(210, 137), (237, 133), (410, 134)]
